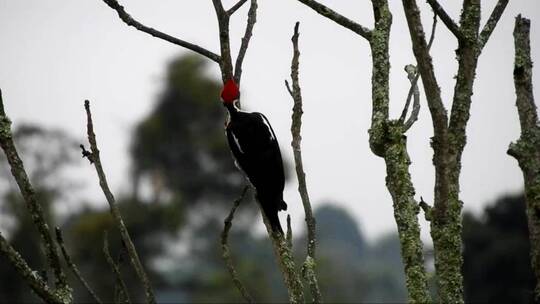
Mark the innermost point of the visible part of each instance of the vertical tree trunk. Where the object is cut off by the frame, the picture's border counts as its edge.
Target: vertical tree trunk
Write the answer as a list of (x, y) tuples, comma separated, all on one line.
[(527, 148)]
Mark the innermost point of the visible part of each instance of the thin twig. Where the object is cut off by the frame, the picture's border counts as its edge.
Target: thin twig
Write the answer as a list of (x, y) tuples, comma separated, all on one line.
[(289, 232), (338, 18), (413, 75), (235, 7), (143, 28), (446, 19), (116, 270), (426, 208), (296, 127), (31, 277), (492, 22), (252, 18), (30, 198), (226, 254), (132, 252), (71, 265)]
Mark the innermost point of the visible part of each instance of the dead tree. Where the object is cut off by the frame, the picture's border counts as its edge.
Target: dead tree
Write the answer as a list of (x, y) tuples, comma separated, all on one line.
[(388, 140), (526, 150), (449, 131)]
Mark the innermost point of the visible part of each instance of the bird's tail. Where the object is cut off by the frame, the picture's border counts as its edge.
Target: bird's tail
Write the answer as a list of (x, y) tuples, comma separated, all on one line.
[(271, 208), (274, 222)]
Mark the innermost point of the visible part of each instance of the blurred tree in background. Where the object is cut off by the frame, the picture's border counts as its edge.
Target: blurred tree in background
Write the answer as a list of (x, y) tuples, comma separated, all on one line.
[(180, 147), (497, 266)]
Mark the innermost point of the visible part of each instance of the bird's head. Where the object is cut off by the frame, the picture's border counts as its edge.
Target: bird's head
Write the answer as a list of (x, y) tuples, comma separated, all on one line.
[(230, 92)]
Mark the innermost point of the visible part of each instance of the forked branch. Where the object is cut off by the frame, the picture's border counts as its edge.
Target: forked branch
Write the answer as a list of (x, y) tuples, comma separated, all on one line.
[(226, 253), (413, 75), (115, 211), (30, 198), (30, 276), (296, 126)]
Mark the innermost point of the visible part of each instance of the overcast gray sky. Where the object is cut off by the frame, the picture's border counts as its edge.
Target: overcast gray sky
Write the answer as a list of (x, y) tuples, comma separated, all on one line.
[(57, 53)]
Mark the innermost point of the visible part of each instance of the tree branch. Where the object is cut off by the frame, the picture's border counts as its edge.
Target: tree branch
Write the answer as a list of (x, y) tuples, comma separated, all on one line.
[(492, 22), (116, 270), (31, 277), (337, 18), (285, 259), (226, 254), (224, 41), (527, 148), (143, 28), (30, 198), (289, 233), (414, 93), (413, 76), (425, 67), (296, 127), (235, 7), (132, 252), (426, 208), (73, 267), (446, 19), (252, 18)]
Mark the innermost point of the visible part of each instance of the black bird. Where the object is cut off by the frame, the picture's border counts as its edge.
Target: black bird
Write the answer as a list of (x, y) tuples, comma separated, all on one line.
[(256, 152)]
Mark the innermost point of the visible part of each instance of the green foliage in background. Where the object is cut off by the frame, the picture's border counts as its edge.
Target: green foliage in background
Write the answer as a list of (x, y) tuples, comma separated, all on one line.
[(497, 266), (181, 143)]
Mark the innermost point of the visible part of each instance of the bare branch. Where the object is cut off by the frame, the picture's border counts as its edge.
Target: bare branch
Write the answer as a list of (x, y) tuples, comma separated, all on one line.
[(252, 18), (31, 277), (426, 208), (289, 232), (116, 270), (425, 67), (492, 22), (224, 41), (337, 18), (73, 267), (302, 185), (143, 28), (30, 198), (446, 19), (527, 148), (132, 252), (289, 88), (413, 76), (414, 93), (226, 254), (235, 7)]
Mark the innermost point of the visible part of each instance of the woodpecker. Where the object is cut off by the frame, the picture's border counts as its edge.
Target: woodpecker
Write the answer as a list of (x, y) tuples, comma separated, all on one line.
[(255, 149)]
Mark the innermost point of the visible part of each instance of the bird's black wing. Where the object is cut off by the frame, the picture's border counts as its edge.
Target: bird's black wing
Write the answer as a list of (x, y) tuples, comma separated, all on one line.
[(274, 158), (256, 150)]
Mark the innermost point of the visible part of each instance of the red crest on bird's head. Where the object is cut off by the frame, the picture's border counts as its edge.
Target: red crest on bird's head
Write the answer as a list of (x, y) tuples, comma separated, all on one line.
[(230, 91)]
